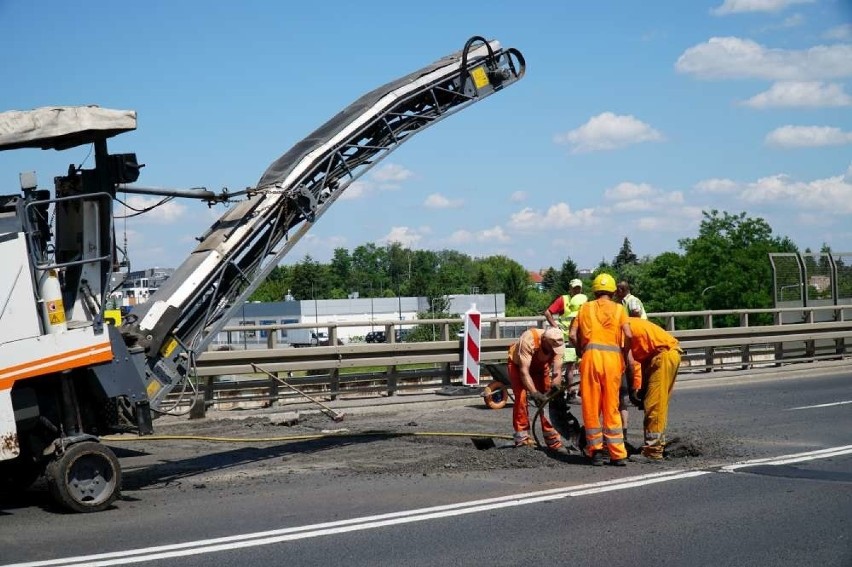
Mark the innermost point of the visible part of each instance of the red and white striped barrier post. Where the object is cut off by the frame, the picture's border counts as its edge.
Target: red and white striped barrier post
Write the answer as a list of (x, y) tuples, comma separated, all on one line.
[(472, 335)]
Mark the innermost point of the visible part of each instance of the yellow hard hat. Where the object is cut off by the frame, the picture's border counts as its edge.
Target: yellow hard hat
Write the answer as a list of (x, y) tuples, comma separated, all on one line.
[(603, 282)]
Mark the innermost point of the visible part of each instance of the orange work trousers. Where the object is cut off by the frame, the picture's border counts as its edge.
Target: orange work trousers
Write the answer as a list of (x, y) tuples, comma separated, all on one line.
[(520, 409), (600, 381), (661, 373)]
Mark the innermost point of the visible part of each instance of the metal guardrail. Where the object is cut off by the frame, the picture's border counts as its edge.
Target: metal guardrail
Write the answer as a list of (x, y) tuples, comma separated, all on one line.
[(334, 370)]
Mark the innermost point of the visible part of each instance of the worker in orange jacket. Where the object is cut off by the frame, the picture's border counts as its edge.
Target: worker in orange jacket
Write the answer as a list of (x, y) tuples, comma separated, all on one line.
[(657, 360), (602, 335), (532, 359)]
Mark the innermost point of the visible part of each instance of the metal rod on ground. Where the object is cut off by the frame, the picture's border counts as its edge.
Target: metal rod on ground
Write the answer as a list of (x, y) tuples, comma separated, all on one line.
[(327, 410)]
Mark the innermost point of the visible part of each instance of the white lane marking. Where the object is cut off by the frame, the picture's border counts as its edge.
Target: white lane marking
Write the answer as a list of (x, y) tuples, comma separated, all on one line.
[(229, 543), (793, 458), (822, 405), (354, 524)]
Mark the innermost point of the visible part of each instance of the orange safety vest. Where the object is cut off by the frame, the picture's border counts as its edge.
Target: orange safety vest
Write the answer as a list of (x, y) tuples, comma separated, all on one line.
[(601, 322)]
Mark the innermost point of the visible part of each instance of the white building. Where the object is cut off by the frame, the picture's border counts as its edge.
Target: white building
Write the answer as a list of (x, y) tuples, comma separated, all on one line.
[(322, 312)]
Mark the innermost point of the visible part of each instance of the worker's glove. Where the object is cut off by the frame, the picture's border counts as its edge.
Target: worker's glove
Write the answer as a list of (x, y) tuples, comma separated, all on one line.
[(636, 399), (539, 398)]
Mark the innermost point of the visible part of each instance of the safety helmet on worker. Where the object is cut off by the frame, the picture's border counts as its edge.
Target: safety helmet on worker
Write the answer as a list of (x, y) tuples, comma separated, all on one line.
[(603, 283)]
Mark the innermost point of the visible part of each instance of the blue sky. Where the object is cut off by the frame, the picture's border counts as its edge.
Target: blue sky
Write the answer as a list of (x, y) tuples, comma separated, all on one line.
[(633, 116)]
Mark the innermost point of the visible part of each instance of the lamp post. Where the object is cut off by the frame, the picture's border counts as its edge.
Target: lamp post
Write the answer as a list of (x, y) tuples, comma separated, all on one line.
[(783, 287)]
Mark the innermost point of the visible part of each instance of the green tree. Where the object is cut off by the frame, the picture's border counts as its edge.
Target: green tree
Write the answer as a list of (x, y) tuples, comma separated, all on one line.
[(550, 281), (730, 258), (567, 273), (275, 287), (625, 256), (340, 271), (310, 280)]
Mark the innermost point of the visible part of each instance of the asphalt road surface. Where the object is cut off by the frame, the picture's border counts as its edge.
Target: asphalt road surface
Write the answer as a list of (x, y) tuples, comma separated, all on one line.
[(759, 473)]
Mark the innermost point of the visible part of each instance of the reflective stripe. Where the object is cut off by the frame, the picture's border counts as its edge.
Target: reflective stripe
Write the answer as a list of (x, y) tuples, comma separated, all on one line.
[(611, 432), (614, 440), (521, 436), (597, 431), (650, 435), (608, 348)]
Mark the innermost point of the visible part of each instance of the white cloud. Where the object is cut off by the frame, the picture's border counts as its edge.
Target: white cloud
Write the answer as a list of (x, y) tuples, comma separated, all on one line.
[(679, 219), (627, 190), (387, 177), (633, 197), (842, 32), (489, 235), (807, 137), (391, 174), (716, 185), (438, 201), (740, 6), (356, 190), (831, 195), (166, 213), (404, 235), (608, 131), (733, 57), (811, 94), (558, 216), (518, 196)]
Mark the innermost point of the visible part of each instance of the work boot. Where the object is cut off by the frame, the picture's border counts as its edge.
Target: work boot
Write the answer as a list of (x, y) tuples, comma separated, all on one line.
[(645, 459), (561, 450), (618, 462), (523, 442), (598, 459)]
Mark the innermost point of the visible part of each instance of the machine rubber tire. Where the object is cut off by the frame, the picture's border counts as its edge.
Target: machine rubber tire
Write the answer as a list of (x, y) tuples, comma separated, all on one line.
[(86, 478), (496, 395)]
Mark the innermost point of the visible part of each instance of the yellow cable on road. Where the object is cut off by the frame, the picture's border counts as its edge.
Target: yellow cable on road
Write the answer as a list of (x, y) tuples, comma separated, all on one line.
[(120, 438)]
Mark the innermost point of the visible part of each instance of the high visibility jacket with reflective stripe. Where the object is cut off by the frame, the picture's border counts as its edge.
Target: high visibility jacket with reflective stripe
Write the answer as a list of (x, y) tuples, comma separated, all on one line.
[(649, 339), (601, 323), (570, 307)]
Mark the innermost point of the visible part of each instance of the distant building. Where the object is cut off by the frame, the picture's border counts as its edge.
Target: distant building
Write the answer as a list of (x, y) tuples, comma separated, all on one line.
[(136, 287), (536, 280), (321, 312), (820, 283)]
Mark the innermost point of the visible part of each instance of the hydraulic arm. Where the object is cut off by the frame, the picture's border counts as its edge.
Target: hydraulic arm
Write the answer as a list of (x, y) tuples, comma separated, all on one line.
[(241, 248)]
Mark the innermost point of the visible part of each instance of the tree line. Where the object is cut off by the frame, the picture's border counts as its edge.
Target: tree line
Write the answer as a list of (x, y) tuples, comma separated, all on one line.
[(725, 266)]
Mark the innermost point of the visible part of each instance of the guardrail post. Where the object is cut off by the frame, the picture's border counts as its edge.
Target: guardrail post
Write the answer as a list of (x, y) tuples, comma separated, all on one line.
[(495, 330), (334, 383), (445, 374), (709, 351), (746, 349), (273, 390), (271, 338), (670, 323), (198, 409), (779, 347), (390, 373)]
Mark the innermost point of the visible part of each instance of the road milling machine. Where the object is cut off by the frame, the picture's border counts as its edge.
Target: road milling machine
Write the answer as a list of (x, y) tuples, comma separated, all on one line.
[(68, 375)]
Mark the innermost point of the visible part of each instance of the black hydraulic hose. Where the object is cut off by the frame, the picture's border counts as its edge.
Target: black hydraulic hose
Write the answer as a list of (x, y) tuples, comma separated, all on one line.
[(522, 63), (551, 395), (464, 74)]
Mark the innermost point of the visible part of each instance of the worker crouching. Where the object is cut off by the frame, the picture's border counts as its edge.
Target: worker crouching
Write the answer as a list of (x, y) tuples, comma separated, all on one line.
[(657, 357), (602, 336), (532, 359)]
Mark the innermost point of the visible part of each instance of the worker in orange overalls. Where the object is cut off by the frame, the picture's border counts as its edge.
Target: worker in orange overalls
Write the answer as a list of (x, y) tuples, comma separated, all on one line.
[(657, 360), (602, 335), (533, 358)]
